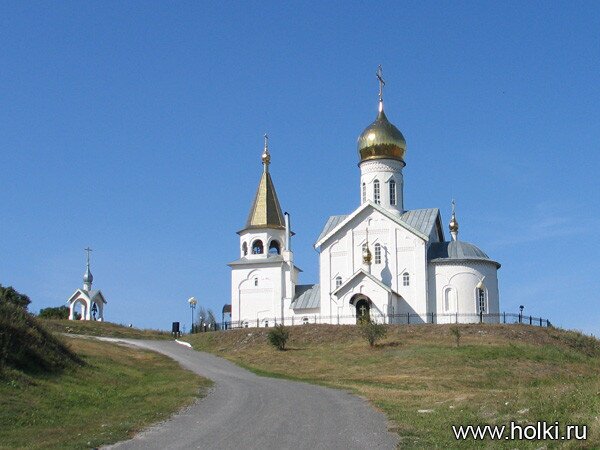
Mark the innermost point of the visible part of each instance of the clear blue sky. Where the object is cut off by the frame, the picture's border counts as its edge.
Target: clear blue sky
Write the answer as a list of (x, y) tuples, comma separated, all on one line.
[(136, 128)]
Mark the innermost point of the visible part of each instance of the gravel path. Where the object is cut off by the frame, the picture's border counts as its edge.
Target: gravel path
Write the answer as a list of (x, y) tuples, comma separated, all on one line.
[(245, 411)]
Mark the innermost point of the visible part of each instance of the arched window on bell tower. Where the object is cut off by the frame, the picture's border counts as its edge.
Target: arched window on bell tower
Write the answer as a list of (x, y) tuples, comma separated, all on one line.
[(376, 193), (392, 192), (274, 248), (257, 247)]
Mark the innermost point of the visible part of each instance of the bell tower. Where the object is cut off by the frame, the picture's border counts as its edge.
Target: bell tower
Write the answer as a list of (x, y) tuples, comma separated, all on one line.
[(264, 277), (381, 148)]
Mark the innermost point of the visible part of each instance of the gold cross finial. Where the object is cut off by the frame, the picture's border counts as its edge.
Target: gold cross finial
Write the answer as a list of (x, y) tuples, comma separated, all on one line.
[(381, 82), (266, 157), (453, 206)]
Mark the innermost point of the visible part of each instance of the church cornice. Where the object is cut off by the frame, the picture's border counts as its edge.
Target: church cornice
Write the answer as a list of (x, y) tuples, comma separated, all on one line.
[(390, 165)]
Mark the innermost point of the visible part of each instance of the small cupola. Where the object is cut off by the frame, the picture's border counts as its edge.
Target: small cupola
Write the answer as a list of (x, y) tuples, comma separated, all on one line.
[(453, 225), (88, 278)]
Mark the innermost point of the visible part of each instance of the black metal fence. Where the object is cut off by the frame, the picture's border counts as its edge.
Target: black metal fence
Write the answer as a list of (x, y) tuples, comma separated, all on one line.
[(393, 319)]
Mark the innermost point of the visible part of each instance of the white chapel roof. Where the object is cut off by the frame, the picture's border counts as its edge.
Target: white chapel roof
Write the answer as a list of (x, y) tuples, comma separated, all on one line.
[(91, 295), (421, 220), (363, 274)]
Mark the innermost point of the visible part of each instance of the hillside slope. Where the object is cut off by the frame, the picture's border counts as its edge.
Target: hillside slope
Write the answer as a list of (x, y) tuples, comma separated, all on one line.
[(108, 329), (426, 384), (27, 346), (57, 392)]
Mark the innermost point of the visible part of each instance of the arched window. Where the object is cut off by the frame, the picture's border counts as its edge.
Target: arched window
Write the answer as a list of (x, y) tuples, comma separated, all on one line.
[(376, 196), (257, 247), (338, 282), (364, 192), (405, 279), (274, 248), (256, 281), (448, 299), (481, 300), (266, 324), (392, 192), (305, 321), (244, 249), (377, 253)]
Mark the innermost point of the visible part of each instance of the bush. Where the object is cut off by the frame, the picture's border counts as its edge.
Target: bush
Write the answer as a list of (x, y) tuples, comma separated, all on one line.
[(59, 312), (10, 295), (372, 331), (278, 337)]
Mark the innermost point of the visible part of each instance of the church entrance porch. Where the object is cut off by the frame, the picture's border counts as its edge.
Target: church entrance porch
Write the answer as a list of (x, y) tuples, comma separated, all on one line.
[(362, 305)]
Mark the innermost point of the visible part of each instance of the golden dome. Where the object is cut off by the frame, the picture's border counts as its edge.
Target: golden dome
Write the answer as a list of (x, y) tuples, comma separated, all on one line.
[(266, 157), (381, 140), (453, 224)]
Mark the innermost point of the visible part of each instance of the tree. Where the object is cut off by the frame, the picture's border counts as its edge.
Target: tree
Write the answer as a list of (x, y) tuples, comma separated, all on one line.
[(372, 331), (211, 319), (10, 295), (278, 337), (59, 312), (202, 315)]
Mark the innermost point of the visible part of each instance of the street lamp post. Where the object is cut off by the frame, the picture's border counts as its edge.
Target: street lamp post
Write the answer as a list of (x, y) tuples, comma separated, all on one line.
[(521, 308), (193, 302)]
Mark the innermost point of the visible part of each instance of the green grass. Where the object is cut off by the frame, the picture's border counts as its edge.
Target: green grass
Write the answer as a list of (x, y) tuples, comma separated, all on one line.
[(92, 328), (499, 373), (116, 392), (27, 346)]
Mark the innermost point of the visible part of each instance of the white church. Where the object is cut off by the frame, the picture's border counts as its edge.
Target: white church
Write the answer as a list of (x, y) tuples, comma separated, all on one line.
[(380, 262), (89, 302)]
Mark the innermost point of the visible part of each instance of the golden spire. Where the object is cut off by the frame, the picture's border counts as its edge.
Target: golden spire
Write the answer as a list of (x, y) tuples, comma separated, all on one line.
[(453, 222), (265, 211)]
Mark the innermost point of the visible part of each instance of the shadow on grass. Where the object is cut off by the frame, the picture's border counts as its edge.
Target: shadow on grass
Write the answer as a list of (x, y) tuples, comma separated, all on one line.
[(388, 344)]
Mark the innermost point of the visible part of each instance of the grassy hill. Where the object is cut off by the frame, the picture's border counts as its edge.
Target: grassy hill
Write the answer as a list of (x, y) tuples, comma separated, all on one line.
[(92, 328), (27, 346), (59, 392), (425, 383)]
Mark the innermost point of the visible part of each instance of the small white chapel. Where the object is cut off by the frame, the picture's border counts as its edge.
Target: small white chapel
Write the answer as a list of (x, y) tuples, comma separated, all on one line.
[(380, 262), (89, 302)]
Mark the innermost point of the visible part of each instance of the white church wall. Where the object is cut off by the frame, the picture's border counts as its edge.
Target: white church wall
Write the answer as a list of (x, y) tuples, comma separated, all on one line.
[(455, 288), (303, 316), (382, 170), (380, 300), (401, 252), (256, 294)]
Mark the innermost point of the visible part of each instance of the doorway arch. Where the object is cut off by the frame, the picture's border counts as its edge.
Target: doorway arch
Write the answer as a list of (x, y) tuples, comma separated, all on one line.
[(362, 305)]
